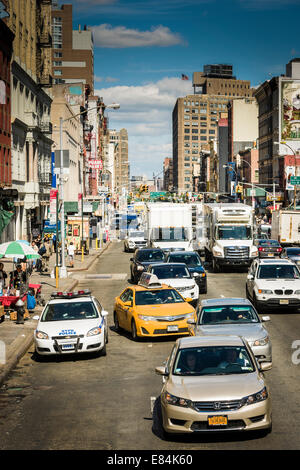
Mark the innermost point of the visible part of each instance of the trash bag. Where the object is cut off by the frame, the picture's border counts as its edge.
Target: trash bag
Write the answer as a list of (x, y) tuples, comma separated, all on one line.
[(31, 302)]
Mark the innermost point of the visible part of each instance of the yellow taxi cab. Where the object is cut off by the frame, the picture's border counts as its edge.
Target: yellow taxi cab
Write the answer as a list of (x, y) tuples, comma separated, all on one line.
[(152, 309)]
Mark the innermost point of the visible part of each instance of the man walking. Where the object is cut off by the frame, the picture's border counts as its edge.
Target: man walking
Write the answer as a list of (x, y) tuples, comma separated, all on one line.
[(71, 253)]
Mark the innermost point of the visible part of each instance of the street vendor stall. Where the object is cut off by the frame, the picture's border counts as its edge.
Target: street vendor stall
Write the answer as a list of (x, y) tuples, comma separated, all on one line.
[(17, 288)]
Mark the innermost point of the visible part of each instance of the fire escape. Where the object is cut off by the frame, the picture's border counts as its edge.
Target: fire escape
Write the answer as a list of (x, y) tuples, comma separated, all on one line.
[(44, 43)]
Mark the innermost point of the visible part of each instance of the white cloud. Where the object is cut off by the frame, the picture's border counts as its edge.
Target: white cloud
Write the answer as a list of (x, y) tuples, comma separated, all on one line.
[(146, 112), (106, 35)]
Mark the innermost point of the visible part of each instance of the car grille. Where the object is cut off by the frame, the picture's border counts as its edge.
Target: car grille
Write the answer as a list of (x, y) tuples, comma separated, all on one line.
[(233, 424), (238, 252), (165, 331), (172, 318), (139, 243), (218, 405), (281, 292)]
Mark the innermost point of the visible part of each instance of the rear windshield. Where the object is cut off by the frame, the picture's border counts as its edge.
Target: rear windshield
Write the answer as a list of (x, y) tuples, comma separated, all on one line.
[(269, 242), (170, 272), (70, 311), (150, 255), (190, 260)]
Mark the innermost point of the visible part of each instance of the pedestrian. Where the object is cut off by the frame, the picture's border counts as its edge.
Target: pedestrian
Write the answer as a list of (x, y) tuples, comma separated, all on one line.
[(3, 277), (54, 243), (47, 254), (71, 253)]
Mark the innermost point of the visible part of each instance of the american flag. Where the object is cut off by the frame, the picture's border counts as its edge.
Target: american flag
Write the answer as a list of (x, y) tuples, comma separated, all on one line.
[(184, 77)]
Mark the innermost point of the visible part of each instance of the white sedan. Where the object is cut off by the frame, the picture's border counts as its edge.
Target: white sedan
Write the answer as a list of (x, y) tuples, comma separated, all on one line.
[(73, 322)]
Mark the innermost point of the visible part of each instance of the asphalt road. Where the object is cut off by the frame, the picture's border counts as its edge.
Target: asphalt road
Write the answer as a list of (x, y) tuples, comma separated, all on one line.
[(104, 402)]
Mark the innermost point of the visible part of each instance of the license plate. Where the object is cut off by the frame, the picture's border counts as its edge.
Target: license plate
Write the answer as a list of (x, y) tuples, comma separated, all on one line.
[(283, 301), (172, 328), (68, 346), (270, 254), (217, 421)]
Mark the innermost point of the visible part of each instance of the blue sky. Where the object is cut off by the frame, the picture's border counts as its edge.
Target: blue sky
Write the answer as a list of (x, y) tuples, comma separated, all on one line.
[(143, 47)]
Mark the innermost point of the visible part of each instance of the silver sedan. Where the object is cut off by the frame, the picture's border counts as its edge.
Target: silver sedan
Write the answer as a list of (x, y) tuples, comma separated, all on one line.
[(234, 316)]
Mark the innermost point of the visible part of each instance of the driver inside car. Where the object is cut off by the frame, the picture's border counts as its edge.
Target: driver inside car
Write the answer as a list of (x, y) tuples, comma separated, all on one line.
[(232, 357)]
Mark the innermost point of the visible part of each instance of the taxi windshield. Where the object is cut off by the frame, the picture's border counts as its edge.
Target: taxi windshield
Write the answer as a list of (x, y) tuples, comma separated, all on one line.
[(152, 297), (69, 311)]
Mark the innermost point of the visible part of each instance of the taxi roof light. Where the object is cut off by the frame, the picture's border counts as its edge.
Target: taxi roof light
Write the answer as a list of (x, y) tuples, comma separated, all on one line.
[(150, 281)]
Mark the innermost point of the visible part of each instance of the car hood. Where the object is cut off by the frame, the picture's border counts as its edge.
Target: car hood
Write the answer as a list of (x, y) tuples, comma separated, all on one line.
[(178, 282), (196, 269), (165, 309), (278, 284), (136, 239), (215, 387), (251, 331), (69, 327)]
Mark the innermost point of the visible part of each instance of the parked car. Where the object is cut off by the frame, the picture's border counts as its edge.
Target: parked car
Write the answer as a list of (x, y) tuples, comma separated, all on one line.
[(213, 383), (268, 248), (194, 265), (292, 253), (141, 260), (234, 316), (273, 283), (178, 276)]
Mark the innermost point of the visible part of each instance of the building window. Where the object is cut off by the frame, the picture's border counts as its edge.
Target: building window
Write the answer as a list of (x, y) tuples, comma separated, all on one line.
[(57, 55), (57, 63), (58, 72), (202, 138)]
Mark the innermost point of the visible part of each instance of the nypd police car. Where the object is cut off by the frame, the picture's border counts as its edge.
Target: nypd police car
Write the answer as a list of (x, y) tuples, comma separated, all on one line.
[(71, 322)]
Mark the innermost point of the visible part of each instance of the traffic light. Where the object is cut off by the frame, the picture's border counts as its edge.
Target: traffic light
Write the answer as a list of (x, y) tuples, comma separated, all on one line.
[(239, 188)]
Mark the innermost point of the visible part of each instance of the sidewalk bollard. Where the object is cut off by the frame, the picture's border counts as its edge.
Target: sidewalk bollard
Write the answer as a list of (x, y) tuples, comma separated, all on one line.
[(56, 276), (96, 243), (20, 311), (82, 253)]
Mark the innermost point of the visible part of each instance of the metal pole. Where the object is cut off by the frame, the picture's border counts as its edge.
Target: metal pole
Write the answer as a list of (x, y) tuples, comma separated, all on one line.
[(274, 197), (63, 270), (56, 251)]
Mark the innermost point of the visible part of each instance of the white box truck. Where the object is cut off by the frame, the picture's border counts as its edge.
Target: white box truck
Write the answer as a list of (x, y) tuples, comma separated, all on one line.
[(228, 231), (169, 226), (286, 227), (198, 227)]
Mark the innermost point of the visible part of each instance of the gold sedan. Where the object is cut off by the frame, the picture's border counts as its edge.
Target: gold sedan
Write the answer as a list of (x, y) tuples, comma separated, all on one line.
[(214, 383)]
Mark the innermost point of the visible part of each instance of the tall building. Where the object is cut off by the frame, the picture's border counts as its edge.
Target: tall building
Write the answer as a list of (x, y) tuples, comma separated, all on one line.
[(73, 50), (168, 174), (31, 129), (195, 121), (279, 115)]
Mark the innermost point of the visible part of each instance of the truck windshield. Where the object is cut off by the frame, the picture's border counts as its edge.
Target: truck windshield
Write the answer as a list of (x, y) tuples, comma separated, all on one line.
[(169, 233), (234, 232)]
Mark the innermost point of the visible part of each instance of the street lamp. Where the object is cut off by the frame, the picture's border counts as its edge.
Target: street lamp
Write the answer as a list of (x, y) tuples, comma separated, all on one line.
[(63, 269)]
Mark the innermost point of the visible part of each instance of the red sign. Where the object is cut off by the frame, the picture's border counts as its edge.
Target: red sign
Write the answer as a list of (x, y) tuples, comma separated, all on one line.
[(96, 164)]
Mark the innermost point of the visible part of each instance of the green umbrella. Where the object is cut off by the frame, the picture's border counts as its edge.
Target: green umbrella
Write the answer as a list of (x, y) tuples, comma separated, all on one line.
[(17, 250)]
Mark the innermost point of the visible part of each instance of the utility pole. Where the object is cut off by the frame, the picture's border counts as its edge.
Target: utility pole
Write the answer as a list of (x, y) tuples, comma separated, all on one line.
[(63, 270)]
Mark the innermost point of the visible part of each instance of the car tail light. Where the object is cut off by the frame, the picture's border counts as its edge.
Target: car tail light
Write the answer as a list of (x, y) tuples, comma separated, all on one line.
[(279, 250), (261, 249)]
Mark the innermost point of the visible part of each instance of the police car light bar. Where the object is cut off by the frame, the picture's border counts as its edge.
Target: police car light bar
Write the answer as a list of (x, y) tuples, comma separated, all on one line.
[(70, 295)]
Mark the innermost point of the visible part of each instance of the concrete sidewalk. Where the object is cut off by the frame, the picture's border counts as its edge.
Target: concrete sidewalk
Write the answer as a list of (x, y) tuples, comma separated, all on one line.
[(16, 339)]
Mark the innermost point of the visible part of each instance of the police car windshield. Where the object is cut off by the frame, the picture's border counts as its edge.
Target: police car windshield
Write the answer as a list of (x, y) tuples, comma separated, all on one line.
[(69, 311), (152, 297)]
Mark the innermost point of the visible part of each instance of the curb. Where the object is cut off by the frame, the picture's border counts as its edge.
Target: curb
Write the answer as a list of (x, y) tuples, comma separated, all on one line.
[(21, 349)]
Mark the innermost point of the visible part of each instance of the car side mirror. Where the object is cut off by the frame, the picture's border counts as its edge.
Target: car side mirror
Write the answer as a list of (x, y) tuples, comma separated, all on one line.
[(191, 322), (104, 313), (264, 366), (161, 370), (196, 274), (266, 318), (250, 277), (128, 304), (188, 299)]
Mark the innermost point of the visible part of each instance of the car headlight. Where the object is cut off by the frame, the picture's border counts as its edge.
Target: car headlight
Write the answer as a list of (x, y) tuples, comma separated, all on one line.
[(217, 252), (177, 401), (140, 268), (254, 253), (265, 291), (41, 335), (262, 341), (256, 397), (297, 292), (147, 318), (94, 331)]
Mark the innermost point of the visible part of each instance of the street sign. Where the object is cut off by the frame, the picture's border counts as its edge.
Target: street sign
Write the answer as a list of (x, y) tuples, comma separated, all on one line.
[(295, 180)]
